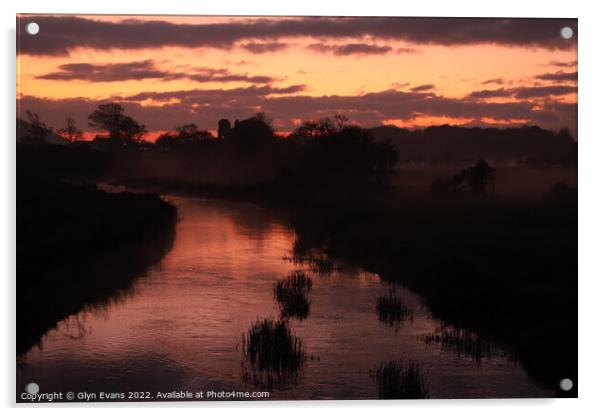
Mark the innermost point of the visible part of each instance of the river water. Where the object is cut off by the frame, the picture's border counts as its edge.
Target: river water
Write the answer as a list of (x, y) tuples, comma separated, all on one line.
[(181, 326)]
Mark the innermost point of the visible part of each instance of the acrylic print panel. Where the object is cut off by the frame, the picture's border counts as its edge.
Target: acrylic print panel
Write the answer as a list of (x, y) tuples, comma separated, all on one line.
[(282, 208)]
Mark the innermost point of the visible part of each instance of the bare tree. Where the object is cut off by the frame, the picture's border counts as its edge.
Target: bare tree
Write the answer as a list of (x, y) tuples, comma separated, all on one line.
[(37, 129), (70, 132), (340, 120)]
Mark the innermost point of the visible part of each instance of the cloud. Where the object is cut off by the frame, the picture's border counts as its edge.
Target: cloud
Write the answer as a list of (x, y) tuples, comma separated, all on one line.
[(560, 64), (213, 96), (406, 50), (141, 70), (425, 87), (524, 92), (224, 75), (498, 81), (558, 76), (484, 94), (108, 72), (547, 91), (266, 47), (205, 106), (61, 34), (350, 49)]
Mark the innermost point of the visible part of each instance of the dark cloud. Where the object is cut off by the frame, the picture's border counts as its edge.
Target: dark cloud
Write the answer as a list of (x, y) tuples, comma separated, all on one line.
[(558, 76), (224, 75), (266, 47), (546, 91), (425, 87), (484, 94), (560, 64), (498, 81), (61, 34), (524, 92), (406, 50), (108, 72), (205, 107), (146, 70), (207, 96), (350, 49)]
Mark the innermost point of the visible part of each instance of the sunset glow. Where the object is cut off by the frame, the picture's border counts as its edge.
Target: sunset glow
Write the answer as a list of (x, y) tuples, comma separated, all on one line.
[(298, 69)]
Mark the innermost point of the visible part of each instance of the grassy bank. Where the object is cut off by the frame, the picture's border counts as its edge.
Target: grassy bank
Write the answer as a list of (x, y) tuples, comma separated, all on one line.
[(78, 247), (503, 268)]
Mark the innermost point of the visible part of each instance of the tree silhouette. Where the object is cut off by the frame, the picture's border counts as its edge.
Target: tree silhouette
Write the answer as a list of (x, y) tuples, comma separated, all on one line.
[(475, 179), (340, 120), (37, 130), (108, 117), (122, 129), (131, 131), (312, 128), (70, 132), (479, 176)]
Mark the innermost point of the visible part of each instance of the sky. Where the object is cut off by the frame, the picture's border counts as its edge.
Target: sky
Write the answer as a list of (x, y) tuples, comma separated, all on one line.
[(408, 72)]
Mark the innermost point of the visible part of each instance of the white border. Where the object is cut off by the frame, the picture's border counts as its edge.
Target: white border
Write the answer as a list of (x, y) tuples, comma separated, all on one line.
[(590, 201)]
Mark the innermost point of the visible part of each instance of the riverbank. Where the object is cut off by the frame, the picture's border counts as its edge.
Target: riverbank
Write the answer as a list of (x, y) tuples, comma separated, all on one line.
[(79, 247), (506, 270)]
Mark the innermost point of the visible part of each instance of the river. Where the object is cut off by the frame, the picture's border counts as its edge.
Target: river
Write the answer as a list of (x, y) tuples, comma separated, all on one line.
[(182, 324)]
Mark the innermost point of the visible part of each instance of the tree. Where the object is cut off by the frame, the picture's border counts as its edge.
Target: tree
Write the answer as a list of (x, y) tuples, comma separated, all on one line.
[(309, 128), (312, 129), (122, 129), (108, 117), (479, 176), (475, 179), (187, 130), (70, 132), (37, 129), (340, 120), (190, 133), (326, 127), (131, 131)]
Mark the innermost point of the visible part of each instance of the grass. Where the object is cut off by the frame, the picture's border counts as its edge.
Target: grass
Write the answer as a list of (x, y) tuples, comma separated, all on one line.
[(318, 261), (291, 294), (392, 311), (274, 354), (461, 341), (399, 380)]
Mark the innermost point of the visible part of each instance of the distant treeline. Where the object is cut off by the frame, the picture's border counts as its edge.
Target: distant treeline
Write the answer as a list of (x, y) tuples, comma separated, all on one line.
[(527, 144)]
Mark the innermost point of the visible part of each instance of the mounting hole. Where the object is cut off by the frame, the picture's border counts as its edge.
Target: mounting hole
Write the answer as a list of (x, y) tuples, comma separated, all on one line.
[(32, 388), (566, 384), (32, 28), (566, 32)]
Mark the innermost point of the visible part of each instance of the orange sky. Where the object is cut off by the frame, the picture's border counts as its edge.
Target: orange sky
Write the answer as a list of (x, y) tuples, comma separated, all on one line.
[(449, 73)]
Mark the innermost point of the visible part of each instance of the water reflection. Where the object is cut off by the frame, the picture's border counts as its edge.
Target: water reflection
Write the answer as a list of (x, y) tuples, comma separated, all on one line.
[(397, 379), (292, 295), (392, 310), (462, 342), (273, 354), (96, 282), (182, 325)]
